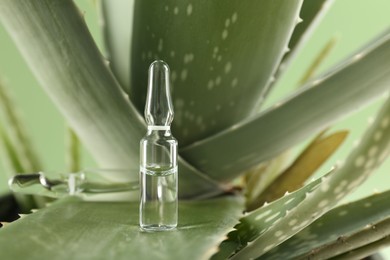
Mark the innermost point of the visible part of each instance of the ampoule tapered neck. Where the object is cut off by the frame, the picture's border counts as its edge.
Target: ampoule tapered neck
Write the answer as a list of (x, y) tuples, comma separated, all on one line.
[(158, 108)]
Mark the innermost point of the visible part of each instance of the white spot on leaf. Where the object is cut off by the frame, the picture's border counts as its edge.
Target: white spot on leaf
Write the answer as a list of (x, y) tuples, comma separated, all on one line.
[(323, 203), (227, 22), (385, 122), (272, 217), (293, 222), (160, 45), (228, 67), (210, 84), (218, 80), (189, 9), (234, 82), (263, 214), (378, 136), (360, 161), (373, 151), (234, 17), (184, 74), (173, 75), (224, 34)]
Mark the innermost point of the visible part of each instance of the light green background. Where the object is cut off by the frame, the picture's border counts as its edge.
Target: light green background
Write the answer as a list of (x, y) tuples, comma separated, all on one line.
[(353, 22)]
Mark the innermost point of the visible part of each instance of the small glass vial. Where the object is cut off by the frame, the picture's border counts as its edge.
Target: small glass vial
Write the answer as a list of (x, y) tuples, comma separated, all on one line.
[(158, 158)]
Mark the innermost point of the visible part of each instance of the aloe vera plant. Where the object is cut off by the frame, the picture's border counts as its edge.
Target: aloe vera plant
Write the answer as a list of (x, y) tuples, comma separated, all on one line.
[(232, 150)]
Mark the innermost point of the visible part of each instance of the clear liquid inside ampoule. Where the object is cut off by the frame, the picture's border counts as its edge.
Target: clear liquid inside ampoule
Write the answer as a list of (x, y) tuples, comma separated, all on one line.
[(158, 211)]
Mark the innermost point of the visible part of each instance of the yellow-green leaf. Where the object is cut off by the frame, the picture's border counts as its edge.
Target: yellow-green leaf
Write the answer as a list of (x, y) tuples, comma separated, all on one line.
[(318, 151)]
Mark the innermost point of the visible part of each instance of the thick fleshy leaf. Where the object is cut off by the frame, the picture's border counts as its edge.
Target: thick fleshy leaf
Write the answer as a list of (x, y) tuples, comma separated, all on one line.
[(317, 62), (73, 154), (222, 55), (257, 222), (16, 150), (267, 227), (117, 26), (57, 46), (356, 83), (71, 229), (258, 179), (311, 14), (369, 250), (22, 156), (294, 177), (338, 223), (9, 155), (365, 158), (373, 232)]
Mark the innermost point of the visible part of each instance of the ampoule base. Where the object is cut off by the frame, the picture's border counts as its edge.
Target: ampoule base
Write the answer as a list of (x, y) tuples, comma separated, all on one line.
[(156, 228)]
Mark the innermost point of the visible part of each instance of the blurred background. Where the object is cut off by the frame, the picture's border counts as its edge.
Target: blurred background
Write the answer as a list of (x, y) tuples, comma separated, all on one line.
[(352, 22)]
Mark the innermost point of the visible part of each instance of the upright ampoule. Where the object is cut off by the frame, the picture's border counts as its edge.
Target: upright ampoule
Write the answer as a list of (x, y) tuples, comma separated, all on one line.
[(158, 163)]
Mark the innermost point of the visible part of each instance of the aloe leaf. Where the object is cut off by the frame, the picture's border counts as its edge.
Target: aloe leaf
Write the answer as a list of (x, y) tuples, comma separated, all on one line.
[(73, 151), (341, 222), (12, 164), (117, 27), (321, 56), (27, 158), (356, 83), (110, 231), (79, 81), (311, 14), (9, 155), (57, 46), (318, 151), (221, 55), (372, 233), (267, 227), (365, 158), (17, 152), (365, 251), (258, 179), (257, 222)]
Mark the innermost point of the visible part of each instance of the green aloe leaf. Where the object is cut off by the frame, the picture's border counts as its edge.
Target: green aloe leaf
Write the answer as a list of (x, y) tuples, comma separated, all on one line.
[(96, 230), (257, 222), (365, 158), (267, 227), (365, 251), (23, 155), (343, 221), (319, 59), (10, 155), (373, 232), (74, 74), (67, 63), (117, 27), (73, 154), (307, 163), (356, 83), (222, 55), (258, 179), (311, 14), (17, 151)]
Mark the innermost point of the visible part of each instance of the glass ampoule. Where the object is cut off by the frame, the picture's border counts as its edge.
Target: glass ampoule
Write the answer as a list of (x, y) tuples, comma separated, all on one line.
[(158, 152)]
